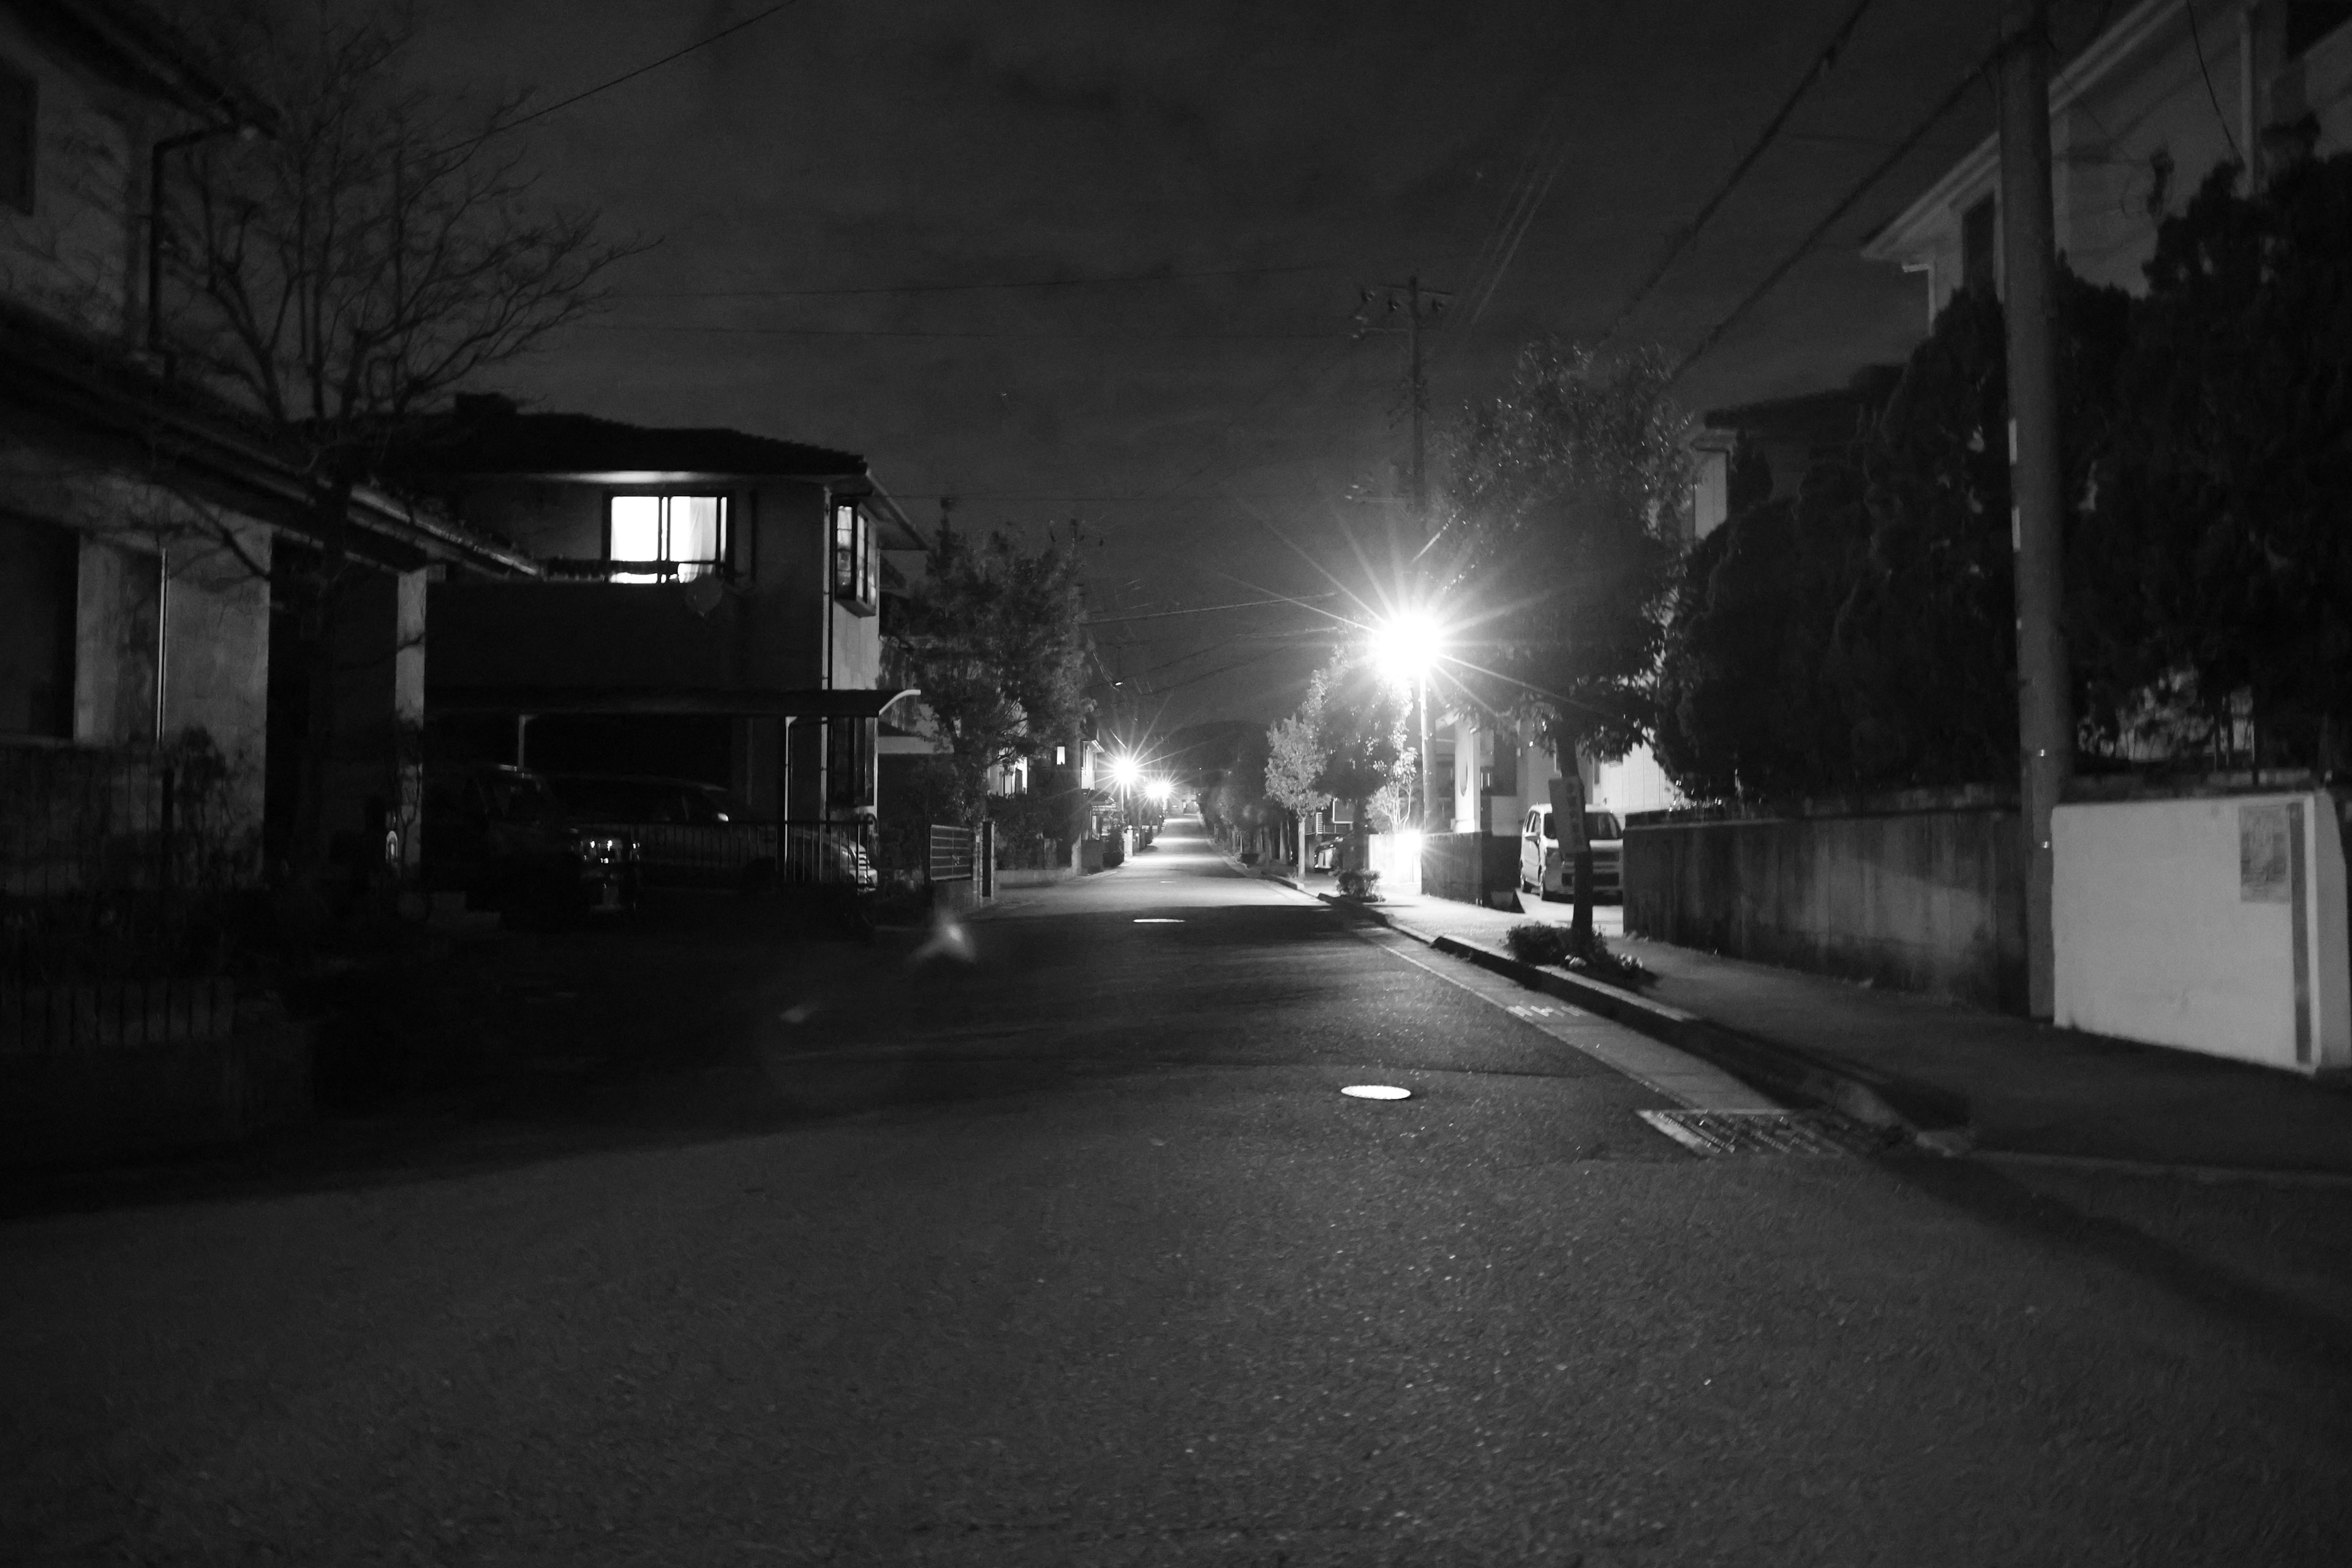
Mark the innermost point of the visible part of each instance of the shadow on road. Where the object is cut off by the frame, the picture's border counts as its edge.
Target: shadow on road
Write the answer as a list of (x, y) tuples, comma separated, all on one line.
[(707, 1019)]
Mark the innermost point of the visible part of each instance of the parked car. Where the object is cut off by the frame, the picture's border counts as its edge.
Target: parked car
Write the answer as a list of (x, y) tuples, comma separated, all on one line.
[(499, 835), (690, 835), (1544, 870)]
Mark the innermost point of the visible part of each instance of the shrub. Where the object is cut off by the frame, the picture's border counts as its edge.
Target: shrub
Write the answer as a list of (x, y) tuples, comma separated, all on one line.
[(1541, 942), (1361, 885)]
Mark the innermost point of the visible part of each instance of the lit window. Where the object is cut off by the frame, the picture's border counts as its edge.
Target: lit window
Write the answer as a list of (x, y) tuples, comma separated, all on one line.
[(853, 557), (666, 539)]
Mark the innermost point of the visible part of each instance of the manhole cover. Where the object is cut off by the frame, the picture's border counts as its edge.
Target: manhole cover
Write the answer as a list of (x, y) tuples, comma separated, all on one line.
[(1806, 1134)]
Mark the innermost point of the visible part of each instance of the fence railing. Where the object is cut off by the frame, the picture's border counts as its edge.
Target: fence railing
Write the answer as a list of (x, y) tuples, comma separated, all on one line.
[(116, 864), (121, 1015), (823, 854), (952, 859)]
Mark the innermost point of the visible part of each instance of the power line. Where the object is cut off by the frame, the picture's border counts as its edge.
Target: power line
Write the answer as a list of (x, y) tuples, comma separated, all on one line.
[(903, 332), (1196, 610), (1103, 280), (1814, 73), (649, 66), (1846, 205)]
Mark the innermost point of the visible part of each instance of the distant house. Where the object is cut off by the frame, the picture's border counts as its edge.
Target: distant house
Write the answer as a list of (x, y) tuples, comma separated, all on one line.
[(141, 516), (710, 607), (2137, 119)]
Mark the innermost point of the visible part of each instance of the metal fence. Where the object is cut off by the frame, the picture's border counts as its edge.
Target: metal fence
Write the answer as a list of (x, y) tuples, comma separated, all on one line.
[(952, 859), (117, 871)]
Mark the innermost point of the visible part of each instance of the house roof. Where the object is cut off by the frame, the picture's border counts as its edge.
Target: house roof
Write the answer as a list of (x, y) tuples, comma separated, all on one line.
[(66, 388), (490, 435), (128, 44)]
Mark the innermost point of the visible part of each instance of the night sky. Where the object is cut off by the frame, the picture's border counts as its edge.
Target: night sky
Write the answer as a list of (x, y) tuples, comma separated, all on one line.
[(1099, 260)]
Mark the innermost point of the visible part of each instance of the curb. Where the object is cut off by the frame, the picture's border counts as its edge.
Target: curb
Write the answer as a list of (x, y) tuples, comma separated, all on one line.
[(1932, 1116)]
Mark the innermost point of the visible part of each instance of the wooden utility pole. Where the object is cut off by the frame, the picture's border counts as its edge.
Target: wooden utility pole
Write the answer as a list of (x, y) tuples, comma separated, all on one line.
[(2045, 717), (1417, 304)]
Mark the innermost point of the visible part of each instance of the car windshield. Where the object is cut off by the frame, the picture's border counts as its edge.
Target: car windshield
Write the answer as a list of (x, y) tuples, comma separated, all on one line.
[(521, 797), (1602, 825), (619, 800)]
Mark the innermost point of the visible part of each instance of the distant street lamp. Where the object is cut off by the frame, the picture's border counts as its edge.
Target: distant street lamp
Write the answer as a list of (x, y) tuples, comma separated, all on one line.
[(1406, 647)]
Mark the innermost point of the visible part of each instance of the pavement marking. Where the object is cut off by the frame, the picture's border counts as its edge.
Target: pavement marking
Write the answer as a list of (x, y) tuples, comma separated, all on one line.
[(1681, 1078), (1377, 1091), (1157, 920)]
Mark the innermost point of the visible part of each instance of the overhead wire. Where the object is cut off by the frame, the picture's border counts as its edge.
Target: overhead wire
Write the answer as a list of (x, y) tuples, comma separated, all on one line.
[(520, 120), (1845, 204), (1100, 281), (1814, 74)]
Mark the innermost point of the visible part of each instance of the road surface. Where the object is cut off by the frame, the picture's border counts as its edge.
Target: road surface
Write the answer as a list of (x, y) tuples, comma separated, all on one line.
[(1056, 1242)]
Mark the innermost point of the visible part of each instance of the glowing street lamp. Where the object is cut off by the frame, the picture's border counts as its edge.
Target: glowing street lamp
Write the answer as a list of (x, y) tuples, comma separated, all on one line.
[(1125, 771), (1157, 790), (1406, 645)]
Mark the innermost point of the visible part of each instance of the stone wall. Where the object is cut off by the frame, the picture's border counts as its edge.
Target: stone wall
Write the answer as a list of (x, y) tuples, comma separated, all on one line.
[(1923, 900)]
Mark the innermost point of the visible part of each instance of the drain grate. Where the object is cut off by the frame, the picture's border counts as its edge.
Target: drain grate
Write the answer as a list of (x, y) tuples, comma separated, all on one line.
[(1803, 1134)]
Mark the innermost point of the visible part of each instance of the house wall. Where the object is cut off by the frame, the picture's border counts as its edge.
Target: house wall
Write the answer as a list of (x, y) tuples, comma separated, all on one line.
[(77, 256), (1921, 901), (772, 625), (112, 591)]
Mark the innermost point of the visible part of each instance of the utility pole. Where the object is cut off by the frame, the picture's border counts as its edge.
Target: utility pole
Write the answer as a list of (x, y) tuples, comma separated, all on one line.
[(1417, 304), (2045, 718)]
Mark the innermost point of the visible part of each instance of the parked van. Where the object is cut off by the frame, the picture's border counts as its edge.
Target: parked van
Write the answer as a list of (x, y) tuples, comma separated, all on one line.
[(1544, 870)]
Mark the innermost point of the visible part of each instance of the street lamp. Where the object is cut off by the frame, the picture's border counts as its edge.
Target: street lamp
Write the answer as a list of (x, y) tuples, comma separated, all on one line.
[(1125, 771), (1406, 645)]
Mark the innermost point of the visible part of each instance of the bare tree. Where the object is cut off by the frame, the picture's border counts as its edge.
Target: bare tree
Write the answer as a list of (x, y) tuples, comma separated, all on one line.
[(340, 276)]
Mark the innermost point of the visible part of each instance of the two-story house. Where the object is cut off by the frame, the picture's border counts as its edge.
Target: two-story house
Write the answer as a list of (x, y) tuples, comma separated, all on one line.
[(140, 515), (710, 607), (2172, 89)]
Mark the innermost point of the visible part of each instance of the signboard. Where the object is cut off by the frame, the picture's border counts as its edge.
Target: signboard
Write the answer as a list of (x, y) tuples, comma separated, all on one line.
[(1568, 813), (2265, 854)]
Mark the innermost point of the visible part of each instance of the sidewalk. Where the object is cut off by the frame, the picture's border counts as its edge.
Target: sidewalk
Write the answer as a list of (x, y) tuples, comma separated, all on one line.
[(2006, 1087)]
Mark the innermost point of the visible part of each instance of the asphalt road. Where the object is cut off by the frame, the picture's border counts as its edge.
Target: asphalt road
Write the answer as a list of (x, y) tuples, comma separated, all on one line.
[(1054, 1241)]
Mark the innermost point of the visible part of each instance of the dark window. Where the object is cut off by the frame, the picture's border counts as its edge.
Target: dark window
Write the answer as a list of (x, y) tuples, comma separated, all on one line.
[(1977, 229), (2309, 21), (38, 584), (853, 556), (19, 146)]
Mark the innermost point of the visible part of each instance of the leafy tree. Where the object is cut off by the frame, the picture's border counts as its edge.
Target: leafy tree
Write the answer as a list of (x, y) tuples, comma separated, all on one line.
[(1295, 758), (342, 276), (1743, 710), (2225, 502), (1861, 633), (996, 644), (1361, 731), (1566, 505)]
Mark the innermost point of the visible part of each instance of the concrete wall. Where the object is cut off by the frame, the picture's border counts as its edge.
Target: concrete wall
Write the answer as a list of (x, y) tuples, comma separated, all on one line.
[(2214, 925), (1450, 866), (1928, 900)]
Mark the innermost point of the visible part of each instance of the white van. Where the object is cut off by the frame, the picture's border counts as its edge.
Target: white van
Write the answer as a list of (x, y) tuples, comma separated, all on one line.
[(1544, 870)]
